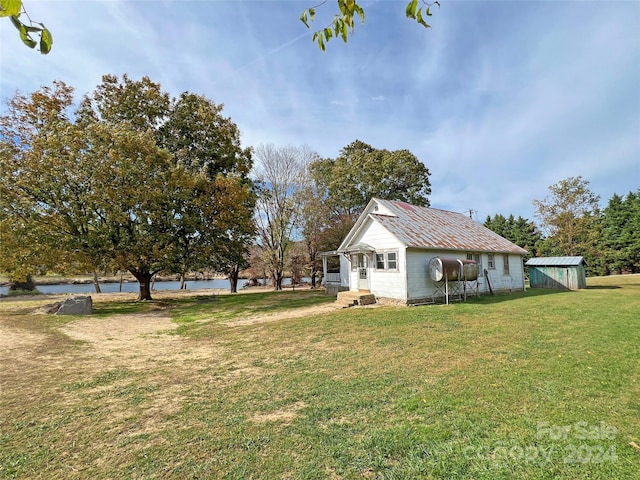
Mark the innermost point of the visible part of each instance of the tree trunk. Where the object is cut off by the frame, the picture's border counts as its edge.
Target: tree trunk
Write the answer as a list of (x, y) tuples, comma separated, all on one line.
[(234, 272), (96, 283), (144, 279), (277, 280), (27, 284), (183, 283)]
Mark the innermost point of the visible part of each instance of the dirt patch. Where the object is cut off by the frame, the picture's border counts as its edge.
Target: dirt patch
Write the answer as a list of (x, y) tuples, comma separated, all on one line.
[(272, 317), (284, 415)]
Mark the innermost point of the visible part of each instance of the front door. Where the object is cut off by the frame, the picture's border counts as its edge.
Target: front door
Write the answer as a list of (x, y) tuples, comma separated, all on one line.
[(363, 281)]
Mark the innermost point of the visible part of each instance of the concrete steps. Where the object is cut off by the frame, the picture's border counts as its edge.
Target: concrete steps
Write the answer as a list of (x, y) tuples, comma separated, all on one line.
[(354, 299)]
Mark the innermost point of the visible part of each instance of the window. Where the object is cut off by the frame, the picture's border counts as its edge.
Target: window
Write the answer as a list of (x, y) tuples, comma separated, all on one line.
[(386, 260), (505, 263), (392, 261), (478, 258), (354, 263), (492, 262)]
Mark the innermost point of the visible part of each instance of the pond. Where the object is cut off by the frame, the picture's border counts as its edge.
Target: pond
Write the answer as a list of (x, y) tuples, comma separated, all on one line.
[(85, 288)]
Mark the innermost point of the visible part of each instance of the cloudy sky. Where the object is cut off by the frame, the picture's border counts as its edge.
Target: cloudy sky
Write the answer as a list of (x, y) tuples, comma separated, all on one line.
[(500, 99)]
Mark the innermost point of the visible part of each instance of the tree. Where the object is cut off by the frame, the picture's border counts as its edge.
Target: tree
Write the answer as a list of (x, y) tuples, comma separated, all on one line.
[(343, 22), (98, 187), (235, 227), (205, 145), (520, 231), (620, 237), (362, 172), (204, 142), (14, 9), (563, 213), (279, 177)]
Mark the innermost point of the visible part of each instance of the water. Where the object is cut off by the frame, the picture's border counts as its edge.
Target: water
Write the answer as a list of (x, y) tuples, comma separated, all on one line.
[(134, 287)]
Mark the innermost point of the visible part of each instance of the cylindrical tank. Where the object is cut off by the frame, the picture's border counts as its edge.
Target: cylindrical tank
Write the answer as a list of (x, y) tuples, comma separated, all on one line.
[(438, 267), (454, 269), (469, 270)]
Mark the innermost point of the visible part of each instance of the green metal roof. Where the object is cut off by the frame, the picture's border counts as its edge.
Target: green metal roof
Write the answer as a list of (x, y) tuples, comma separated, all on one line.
[(555, 261)]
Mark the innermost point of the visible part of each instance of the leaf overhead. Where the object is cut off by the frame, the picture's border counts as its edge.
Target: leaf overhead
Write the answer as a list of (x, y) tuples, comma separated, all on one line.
[(46, 41), (343, 21), (9, 8)]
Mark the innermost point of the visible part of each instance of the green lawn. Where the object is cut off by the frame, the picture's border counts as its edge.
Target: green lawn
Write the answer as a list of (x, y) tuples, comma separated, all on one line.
[(530, 385)]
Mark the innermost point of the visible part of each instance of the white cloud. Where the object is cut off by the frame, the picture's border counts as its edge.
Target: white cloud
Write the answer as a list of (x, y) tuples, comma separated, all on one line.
[(499, 99)]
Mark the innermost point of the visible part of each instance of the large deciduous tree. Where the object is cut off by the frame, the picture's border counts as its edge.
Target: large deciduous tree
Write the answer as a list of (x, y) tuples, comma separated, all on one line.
[(207, 145), (567, 212), (280, 179), (98, 186), (361, 172)]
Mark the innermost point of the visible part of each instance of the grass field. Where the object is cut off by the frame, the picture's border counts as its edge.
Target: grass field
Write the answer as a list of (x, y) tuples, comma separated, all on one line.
[(535, 385)]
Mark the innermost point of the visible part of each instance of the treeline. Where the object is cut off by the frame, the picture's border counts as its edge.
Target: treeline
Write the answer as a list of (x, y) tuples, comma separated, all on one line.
[(572, 223), (131, 179)]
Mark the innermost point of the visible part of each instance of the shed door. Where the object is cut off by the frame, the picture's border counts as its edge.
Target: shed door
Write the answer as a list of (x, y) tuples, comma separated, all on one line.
[(569, 279), (363, 282)]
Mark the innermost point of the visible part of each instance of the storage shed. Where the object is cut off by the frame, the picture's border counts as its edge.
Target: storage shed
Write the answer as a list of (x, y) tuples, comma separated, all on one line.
[(561, 273)]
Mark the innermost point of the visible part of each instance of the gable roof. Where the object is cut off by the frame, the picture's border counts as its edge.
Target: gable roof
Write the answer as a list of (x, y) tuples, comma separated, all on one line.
[(555, 261), (423, 227)]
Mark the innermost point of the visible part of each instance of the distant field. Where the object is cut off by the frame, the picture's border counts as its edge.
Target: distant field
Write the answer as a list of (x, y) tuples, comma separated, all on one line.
[(536, 385)]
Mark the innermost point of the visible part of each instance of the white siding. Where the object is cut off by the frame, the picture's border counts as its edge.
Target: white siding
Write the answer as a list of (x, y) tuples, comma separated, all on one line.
[(420, 286), (382, 283), (501, 282), (345, 267)]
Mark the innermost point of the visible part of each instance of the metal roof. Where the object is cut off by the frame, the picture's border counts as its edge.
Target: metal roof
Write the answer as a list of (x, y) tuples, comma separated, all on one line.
[(423, 227), (555, 261)]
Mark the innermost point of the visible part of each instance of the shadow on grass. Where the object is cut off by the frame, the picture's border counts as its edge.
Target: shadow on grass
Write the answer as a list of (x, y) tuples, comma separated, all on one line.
[(602, 287), (126, 308)]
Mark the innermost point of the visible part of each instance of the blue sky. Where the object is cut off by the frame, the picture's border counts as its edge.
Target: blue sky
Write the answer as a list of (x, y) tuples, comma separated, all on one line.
[(499, 99)]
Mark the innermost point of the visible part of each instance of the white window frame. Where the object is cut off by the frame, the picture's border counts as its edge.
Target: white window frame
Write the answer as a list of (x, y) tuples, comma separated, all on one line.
[(385, 260), (354, 262), (505, 264), (491, 261), (380, 260)]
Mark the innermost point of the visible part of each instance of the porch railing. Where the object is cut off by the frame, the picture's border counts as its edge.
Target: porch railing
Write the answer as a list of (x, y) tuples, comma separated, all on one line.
[(332, 277)]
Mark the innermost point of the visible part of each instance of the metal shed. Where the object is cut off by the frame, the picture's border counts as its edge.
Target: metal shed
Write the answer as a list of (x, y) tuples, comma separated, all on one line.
[(561, 273)]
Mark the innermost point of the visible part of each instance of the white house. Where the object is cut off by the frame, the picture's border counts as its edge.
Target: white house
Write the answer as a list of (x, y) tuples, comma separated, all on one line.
[(388, 250)]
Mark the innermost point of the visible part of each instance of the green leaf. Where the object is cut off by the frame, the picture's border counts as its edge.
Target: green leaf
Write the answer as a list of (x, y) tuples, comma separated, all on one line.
[(24, 35), (312, 14), (411, 9), (360, 12), (303, 19), (420, 20), (16, 22), (46, 41), (342, 4), (328, 33), (9, 8)]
